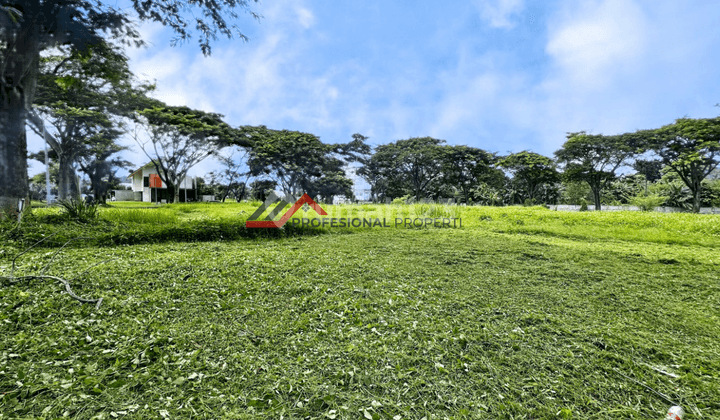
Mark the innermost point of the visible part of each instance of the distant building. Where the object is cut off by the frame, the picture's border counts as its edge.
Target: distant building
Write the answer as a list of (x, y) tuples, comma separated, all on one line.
[(148, 187)]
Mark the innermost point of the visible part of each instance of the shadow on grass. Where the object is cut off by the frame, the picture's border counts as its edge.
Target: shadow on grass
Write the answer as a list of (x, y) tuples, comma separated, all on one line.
[(106, 233)]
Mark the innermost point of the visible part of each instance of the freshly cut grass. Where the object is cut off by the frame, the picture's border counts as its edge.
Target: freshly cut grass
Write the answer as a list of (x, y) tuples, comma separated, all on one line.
[(396, 323), (521, 313)]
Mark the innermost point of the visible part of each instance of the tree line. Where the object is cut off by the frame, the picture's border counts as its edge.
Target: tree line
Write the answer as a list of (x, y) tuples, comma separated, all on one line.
[(686, 151), (63, 63), (91, 99)]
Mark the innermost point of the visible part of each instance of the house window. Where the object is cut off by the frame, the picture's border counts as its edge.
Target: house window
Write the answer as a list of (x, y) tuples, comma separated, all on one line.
[(146, 181)]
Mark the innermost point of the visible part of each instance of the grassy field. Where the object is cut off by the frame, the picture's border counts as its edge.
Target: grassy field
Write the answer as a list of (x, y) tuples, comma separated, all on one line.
[(523, 313)]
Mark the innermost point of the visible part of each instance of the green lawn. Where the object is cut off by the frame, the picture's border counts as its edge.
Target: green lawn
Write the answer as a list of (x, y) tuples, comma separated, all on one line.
[(521, 313)]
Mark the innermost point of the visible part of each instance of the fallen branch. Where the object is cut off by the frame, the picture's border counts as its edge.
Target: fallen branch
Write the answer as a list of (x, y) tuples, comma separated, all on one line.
[(68, 289), (12, 271), (12, 279), (58, 251)]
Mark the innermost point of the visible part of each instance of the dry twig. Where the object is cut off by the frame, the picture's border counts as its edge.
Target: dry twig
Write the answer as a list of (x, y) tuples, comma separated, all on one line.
[(14, 279)]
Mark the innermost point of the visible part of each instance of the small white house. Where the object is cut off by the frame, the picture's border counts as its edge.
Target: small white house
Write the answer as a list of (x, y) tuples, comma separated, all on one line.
[(148, 187)]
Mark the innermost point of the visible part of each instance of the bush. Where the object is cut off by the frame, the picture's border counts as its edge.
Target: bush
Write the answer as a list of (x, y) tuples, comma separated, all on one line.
[(78, 210), (583, 204), (401, 200), (648, 202)]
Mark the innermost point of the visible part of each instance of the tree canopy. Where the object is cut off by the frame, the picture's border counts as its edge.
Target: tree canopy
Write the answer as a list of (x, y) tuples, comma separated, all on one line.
[(179, 138), (531, 171), (85, 97), (690, 148), (301, 163), (28, 27), (593, 158)]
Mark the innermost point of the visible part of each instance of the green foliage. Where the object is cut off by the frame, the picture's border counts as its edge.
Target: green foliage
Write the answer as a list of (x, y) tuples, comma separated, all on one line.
[(650, 169), (261, 189), (408, 166), (583, 204), (141, 216), (675, 192), (531, 173), (487, 195), (303, 164), (401, 200), (78, 210), (690, 148), (648, 202), (465, 167), (572, 192), (621, 190), (593, 159)]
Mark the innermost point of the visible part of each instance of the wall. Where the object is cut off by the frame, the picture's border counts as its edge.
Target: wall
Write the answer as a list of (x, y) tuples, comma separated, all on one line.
[(124, 195), (591, 207)]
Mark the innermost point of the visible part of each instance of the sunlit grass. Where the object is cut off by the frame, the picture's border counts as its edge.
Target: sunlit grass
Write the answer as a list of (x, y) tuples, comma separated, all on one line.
[(396, 323), (141, 216)]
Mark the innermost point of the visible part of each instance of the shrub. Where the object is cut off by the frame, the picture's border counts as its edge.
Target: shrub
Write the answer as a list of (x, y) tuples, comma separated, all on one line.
[(435, 211), (401, 200), (78, 210), (648, 202), (583, 204)]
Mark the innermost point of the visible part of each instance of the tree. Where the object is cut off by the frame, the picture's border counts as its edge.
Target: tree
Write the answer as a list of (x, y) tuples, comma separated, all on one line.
[(179, 138), (593, 158), (97, 164), (690, 148), (260, 189), (530, 171), (301, 163), (38, 184), (650, 169), (465, 167), (373, 171), (84, 96), (232, 171), (331, 182), (28, 27), (290, 156), (407, 165)]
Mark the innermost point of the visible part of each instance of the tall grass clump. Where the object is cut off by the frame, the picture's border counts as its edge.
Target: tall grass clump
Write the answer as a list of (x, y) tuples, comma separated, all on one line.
[(78, 210), (435, 211), (140, 216)]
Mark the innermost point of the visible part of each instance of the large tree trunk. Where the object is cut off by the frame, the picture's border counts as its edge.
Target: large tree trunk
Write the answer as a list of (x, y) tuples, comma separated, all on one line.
[(696, 196), (596, 197), (68, 187), (19, 78), (174, 192), (13, 152)]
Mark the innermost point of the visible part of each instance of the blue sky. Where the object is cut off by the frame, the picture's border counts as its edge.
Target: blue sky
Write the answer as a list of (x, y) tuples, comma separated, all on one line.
[(502, 75)]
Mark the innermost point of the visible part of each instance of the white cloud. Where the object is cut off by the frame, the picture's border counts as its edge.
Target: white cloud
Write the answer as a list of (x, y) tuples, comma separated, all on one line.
[(499, 13), (598, 41), (305, 17)]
